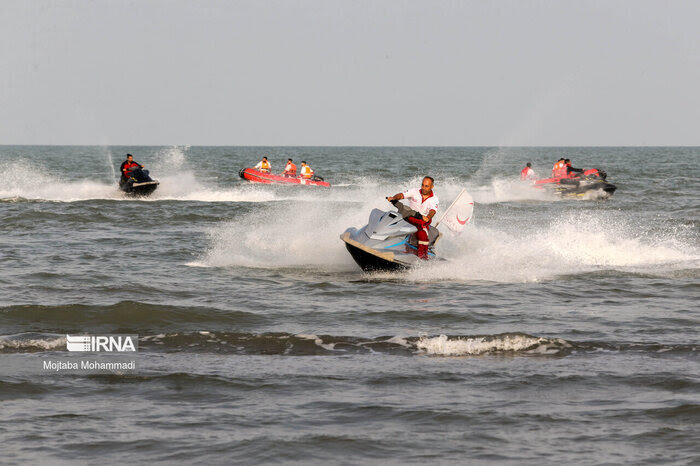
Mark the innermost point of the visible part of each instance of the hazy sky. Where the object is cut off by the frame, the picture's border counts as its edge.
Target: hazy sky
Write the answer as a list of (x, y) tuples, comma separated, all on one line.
[(350, 72)]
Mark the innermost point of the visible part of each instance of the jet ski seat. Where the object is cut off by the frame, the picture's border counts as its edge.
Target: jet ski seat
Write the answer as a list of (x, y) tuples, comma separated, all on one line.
[(434, 236), (433, 233)]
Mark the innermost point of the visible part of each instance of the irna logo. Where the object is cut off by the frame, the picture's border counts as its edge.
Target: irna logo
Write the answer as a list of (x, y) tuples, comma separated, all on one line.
[(106, 343)]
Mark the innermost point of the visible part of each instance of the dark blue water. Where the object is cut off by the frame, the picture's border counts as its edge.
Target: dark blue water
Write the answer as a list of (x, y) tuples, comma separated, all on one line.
[(557, 330)]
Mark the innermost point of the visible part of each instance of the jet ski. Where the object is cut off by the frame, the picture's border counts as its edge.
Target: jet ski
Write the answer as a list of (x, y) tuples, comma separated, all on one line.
[(139, 184), (586, 183), (388, 243), (256, 176)]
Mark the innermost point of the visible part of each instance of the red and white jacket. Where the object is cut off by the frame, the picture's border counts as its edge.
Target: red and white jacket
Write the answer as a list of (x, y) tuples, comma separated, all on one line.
[(416, 202)]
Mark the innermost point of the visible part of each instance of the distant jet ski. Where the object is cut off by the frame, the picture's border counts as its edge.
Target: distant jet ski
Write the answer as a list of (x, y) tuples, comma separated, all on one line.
[(256, 176), (587, 182), (139, 184), (387, 242)]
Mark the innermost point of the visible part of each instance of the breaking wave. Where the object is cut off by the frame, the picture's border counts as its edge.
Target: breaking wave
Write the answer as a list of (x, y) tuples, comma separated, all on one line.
[(289, 344)]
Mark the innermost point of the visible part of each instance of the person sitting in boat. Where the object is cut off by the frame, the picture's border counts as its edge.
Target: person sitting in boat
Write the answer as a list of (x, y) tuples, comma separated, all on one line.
[(425, 202), (559, 169), (528, 173), (290, 169), (132, 170), (306, 172), (264, 165), (571, 171)]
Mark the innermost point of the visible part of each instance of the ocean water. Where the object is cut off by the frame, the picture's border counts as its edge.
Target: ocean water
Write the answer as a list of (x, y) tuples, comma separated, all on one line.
[(556, 330)]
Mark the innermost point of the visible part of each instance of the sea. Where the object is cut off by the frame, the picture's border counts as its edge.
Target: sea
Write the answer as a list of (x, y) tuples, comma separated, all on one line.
[(555, 331)]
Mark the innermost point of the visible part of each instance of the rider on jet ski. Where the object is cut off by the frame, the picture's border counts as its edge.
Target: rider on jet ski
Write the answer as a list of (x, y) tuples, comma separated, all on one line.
[(131, 169), (425, 203), (571, 171)]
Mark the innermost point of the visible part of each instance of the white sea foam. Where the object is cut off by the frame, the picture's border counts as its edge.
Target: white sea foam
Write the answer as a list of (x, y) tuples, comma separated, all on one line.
[(510, 190), (399, 341), (306, 234), (19, 342), (318, 341), (444, 346), (571, 244), (21, 179)]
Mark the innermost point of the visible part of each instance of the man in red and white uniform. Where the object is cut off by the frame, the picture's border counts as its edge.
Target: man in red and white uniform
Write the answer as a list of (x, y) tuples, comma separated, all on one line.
[(425, 202), (528, 173)]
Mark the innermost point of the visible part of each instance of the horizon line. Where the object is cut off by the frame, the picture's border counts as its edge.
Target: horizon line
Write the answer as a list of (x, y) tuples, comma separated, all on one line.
[(346, 145)]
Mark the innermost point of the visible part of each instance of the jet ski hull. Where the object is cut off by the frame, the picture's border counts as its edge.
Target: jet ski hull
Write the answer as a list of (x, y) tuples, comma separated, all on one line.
[(257, 176), (386, 243), (139, 189), (583, 188), (372, 260)]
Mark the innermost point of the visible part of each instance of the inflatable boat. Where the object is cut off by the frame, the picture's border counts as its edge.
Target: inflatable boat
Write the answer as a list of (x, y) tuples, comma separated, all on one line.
[(256, 176)]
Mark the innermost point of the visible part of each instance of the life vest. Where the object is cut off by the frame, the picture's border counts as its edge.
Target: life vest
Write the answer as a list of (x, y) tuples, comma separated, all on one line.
[(290, 169), (559, 169), (265, 166), (307, 172)]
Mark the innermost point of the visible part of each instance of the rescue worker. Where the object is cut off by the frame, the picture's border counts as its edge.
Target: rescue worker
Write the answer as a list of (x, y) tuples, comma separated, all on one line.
[(571, 172), (528, 173), (425, 203), (306, 172), (290, 169), (264, 165), (559, 169)]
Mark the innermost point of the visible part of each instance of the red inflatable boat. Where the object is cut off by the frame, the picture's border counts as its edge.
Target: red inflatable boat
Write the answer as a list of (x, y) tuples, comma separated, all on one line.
[(256, 176)]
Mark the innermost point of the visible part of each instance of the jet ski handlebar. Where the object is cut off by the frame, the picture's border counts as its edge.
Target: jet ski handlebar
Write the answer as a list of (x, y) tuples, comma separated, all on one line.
[(404, 211)]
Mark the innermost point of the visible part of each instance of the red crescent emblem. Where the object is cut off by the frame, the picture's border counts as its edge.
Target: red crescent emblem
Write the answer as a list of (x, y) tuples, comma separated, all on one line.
[(461, 222)]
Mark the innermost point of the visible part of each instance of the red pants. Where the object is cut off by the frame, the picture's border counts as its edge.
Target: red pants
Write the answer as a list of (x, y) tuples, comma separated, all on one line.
[(421, 236)]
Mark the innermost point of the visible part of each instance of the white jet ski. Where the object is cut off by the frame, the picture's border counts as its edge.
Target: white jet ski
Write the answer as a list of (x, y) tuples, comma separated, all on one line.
[(388, 243)]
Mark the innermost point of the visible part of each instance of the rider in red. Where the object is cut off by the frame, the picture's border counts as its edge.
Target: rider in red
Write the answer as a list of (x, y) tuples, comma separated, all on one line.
[(528, 173), (425, 203), (571, 172), (127, 167)]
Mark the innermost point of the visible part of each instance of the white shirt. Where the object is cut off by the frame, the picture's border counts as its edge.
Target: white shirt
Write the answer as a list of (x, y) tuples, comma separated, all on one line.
[(415, 201), (259, 165)]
